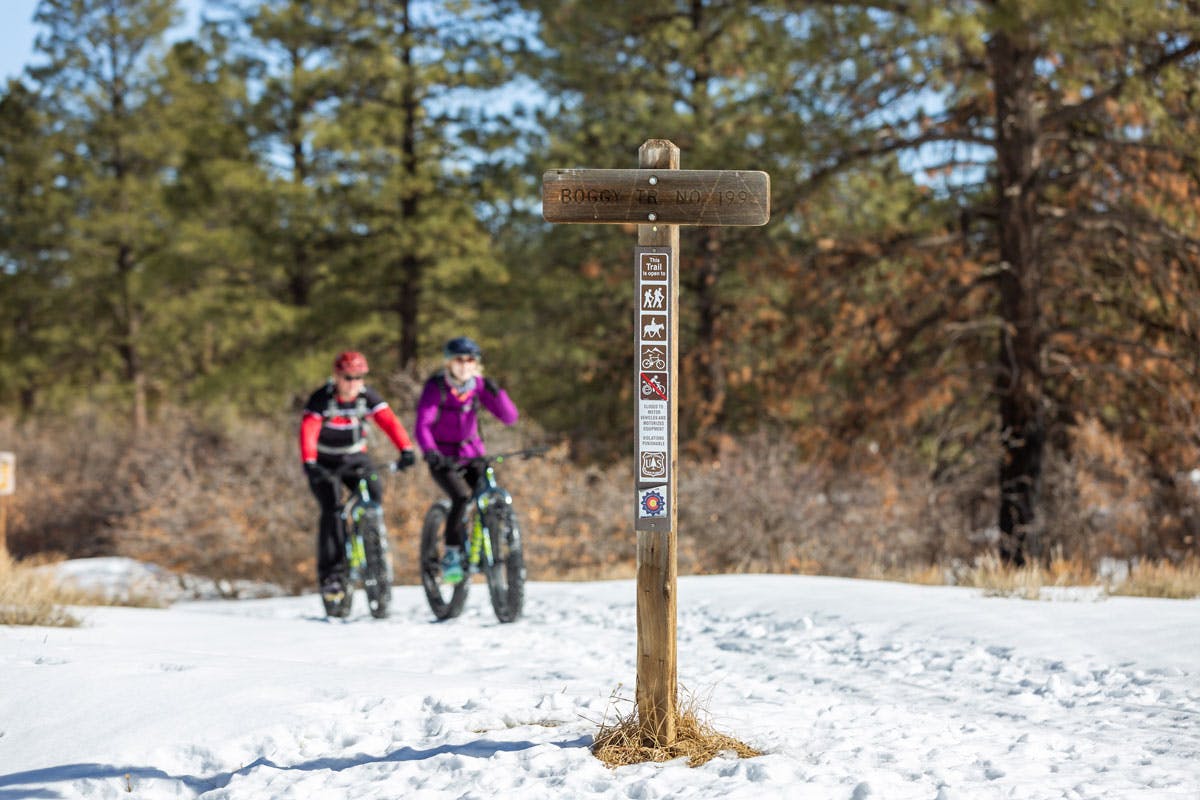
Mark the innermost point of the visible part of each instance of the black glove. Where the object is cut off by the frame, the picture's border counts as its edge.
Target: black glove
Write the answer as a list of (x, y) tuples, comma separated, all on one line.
[(314, 472), (407, 459), (491, 386), (434, 459)]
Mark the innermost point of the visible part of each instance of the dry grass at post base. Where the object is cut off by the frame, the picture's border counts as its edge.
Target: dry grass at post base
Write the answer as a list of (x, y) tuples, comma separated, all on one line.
[(624, 741)]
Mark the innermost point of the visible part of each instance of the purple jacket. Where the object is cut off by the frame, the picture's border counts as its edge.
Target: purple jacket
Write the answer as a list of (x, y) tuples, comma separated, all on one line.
[(448, 421)]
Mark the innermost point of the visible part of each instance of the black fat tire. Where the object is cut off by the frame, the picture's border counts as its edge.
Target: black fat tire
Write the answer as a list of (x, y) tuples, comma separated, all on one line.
[(506, 576), (377, 579), (445, 600)]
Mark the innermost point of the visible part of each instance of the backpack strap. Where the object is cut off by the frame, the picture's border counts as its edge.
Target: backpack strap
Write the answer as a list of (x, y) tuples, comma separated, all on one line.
[(358, 414), (443, 384)]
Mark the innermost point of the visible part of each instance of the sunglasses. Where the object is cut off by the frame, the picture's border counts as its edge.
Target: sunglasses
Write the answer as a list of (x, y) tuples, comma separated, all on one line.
[(362, 377)]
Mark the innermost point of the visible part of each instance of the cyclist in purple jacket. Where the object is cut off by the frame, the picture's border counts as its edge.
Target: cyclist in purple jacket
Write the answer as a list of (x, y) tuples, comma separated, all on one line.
[(447, 431)]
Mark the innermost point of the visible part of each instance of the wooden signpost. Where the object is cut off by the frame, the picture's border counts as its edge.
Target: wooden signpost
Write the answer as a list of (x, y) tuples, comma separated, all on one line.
[(659, 197), (8, 484)]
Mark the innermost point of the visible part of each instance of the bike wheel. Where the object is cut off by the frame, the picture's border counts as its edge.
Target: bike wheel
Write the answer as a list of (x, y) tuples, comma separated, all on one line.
[(445, 600), (506, 575), (377, 577)]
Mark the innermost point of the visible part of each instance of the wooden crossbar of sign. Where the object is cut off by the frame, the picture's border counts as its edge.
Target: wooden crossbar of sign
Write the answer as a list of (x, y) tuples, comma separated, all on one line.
[(664, 197)]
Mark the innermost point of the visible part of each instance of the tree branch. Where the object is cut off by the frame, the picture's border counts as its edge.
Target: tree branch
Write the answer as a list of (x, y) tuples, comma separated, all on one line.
[(1061, 116)]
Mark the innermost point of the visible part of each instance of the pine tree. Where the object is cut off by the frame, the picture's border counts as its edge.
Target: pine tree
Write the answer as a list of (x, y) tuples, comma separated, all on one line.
[(406, 73), (706, 76), (36, 339), (99, 86)]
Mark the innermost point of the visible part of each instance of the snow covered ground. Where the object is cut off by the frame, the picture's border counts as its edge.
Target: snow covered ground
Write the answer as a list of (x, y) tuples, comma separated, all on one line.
[(852, 689)]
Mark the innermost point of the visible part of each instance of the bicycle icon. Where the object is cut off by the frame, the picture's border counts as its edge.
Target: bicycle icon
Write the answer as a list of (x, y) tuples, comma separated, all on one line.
[(653, 358), (652, 386)]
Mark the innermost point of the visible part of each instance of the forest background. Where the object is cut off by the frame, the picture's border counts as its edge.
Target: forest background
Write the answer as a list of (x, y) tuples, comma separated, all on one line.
[(970, 328)]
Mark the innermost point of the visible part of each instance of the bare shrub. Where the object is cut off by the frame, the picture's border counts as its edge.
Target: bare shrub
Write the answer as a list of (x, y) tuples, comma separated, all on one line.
[(577, 520), (65, 471), (754, 508), (758, 508), (1098, 497), (219, 499), (216, 495), (219, 494)]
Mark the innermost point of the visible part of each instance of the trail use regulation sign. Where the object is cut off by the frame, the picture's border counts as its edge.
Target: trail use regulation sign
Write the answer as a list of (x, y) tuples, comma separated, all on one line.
[(654, 385)]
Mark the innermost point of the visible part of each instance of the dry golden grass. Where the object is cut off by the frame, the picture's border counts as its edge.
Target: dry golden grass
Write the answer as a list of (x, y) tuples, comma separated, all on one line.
[(1162, 579), (999, 580), (624, 741), (923, 575), (1146, 579), (30, 596)]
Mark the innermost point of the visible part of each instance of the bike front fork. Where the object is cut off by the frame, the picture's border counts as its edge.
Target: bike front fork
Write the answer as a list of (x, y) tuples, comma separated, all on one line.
[(479, 553)]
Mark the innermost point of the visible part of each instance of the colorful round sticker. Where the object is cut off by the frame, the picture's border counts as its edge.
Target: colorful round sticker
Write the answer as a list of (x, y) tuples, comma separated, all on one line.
[(653, 503)]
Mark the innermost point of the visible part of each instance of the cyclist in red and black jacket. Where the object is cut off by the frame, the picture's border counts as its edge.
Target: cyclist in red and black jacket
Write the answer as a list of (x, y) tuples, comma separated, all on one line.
[(332, 433)]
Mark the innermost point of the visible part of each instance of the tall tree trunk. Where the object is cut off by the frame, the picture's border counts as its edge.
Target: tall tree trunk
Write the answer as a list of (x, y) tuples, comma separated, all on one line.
[(129, 348), (299, 271), (411, 267), (1019, 379), (708, 361)]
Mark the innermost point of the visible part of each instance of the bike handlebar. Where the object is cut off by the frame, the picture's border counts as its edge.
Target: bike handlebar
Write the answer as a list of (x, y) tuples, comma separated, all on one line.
[(498, 458), (528, 452), (355, 468)]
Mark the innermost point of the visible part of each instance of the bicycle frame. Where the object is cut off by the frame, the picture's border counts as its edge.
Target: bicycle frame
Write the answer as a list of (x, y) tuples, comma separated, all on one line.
[(368, 561), (353, 503), (351, 510), (487, 492)]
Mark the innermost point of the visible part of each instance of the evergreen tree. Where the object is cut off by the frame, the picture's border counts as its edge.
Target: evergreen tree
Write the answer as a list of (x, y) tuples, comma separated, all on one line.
[(37, 339), (232, 332), (705, 75), (98, 84), (406, 73)]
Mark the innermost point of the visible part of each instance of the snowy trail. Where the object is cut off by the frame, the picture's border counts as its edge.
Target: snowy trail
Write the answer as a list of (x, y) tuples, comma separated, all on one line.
[(852, 689)]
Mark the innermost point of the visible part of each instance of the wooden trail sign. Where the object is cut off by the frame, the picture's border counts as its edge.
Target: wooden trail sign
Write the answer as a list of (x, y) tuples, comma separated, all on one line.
[(662, 196), (658, 197)]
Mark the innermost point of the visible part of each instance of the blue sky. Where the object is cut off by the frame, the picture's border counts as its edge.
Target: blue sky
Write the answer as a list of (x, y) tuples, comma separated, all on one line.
[(16, 37), (17, 33)]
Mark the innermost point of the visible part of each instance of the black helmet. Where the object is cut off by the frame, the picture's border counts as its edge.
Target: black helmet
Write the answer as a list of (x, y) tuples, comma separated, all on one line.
[(462, 346)]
